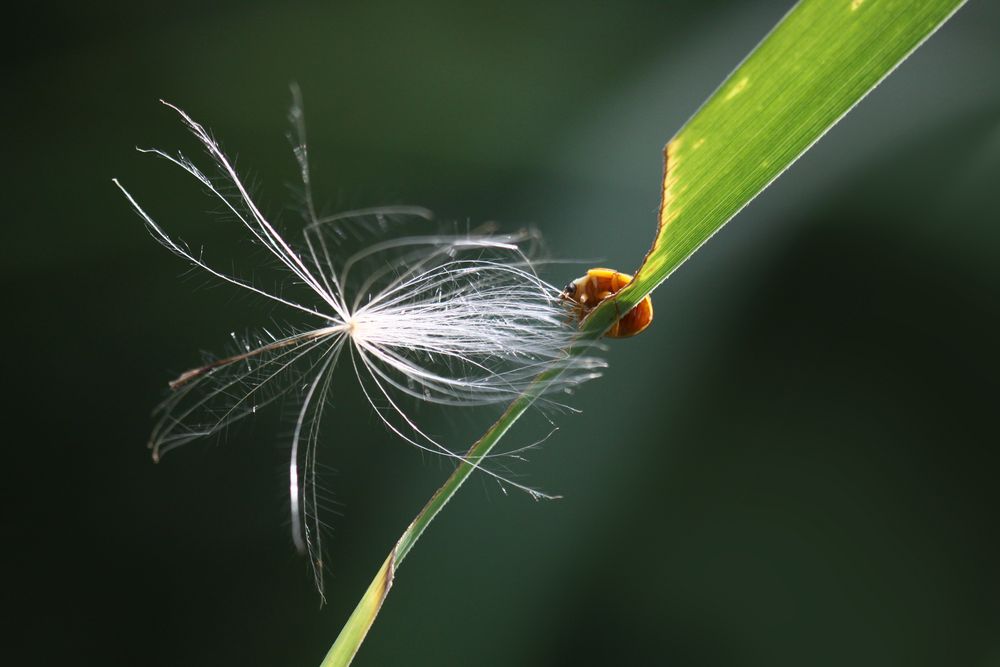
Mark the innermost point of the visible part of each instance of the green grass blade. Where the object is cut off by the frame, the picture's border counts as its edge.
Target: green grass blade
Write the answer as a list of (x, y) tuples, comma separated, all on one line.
[(818, 62), (353, 633)]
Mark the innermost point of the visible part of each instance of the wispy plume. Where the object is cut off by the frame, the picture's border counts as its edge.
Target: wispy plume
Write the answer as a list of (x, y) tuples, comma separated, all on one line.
[(451, 319)]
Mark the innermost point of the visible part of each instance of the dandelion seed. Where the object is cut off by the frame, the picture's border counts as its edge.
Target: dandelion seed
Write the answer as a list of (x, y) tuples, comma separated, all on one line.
[(456, 320)]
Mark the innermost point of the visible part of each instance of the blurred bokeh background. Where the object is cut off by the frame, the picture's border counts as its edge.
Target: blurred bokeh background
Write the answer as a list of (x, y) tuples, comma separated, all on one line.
[(796, 465)]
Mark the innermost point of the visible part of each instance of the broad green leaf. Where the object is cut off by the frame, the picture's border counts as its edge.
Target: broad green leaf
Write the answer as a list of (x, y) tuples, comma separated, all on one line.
[(818, 62)]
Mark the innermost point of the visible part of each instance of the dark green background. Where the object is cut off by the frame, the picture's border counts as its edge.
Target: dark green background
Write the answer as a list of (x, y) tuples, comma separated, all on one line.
[(796, 465)]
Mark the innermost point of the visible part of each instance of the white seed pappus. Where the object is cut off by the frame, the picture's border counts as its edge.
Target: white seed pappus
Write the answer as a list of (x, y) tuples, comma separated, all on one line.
[(452, 319)]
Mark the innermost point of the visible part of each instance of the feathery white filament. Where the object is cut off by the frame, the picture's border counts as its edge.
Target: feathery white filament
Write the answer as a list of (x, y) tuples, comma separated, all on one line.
[(451, 319)]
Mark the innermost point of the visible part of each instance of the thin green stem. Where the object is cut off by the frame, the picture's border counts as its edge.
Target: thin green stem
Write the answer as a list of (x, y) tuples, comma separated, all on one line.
[(361, 619)]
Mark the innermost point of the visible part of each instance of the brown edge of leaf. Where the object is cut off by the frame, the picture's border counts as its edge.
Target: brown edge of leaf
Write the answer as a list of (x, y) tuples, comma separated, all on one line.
[(664, 200)]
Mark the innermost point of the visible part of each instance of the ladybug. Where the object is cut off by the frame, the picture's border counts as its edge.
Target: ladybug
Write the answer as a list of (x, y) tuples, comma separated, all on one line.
[(586, 292)]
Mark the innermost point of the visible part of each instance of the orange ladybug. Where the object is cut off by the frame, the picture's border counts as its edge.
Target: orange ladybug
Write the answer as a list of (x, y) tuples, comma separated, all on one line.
[(599, 284)]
